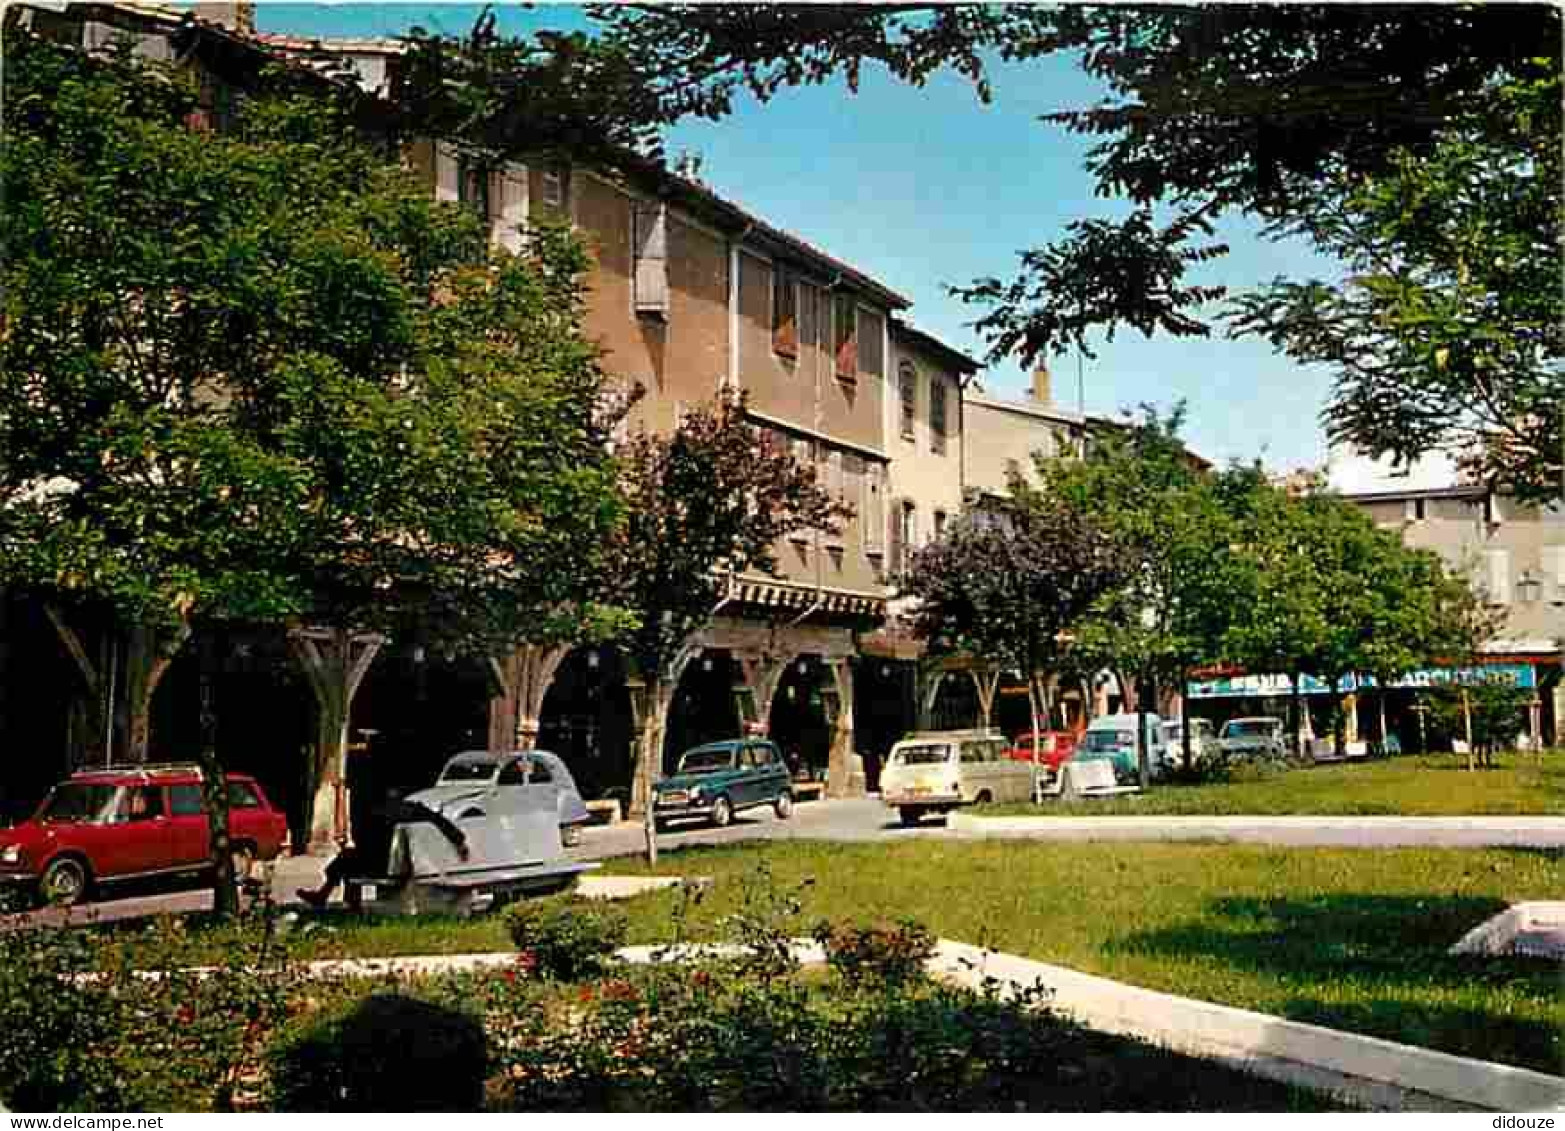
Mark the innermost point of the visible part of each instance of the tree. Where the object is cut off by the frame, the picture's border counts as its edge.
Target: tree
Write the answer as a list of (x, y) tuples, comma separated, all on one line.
[(704, 503), (260, 376), (1449, 331), (1170, 609), (1402, 140), (1007, 583)]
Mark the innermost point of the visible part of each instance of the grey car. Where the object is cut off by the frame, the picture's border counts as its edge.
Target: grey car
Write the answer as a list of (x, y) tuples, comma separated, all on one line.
[(478, 783), (1253, 738)]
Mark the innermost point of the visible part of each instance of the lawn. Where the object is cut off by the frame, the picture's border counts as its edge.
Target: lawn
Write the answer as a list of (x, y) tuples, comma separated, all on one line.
[(1432, 785), (1349, 938)]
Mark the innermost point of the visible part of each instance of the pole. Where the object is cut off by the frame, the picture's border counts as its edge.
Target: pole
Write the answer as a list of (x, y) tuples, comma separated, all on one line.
[(1467, 723)]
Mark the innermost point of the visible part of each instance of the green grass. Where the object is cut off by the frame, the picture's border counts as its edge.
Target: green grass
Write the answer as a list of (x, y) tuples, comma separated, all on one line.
[(1353, 939), (1434, 785)]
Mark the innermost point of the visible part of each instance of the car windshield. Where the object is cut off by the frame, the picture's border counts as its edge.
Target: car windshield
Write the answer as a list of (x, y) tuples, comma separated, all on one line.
[(74, 802), (705, 761), (928, 754), (1249, 728), (1108, 739), (469, 771)]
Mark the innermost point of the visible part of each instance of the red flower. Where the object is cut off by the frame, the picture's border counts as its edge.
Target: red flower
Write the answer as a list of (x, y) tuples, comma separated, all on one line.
[(185, 1014), (508, 975), (701, 979), (526, 961), (585, 993)]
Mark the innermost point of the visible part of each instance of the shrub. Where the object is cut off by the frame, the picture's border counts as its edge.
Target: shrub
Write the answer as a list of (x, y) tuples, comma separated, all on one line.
[(95, 1019), (569, 938), (891, 954), (388, 1053)]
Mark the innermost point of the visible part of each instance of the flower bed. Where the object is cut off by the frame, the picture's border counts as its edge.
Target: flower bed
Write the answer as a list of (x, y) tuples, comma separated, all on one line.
[(753, 1032)]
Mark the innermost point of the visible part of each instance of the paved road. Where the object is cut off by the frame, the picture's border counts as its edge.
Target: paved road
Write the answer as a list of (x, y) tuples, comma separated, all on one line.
[(866, 820)]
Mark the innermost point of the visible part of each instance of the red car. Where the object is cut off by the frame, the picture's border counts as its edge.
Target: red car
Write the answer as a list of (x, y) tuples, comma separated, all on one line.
[(101, 826), (1054, 748)]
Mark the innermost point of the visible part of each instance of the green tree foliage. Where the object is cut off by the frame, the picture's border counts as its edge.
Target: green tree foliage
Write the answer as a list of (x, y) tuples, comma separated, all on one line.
[(1004, 584), (260, 375), (708, 501)]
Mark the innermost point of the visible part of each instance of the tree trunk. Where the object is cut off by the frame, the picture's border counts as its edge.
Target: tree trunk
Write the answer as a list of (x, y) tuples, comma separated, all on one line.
[(1297, 705), (986, 683), (1338, 728), (1467, 723), (335, 661), (148, 655), (1143, 755), (1380, 707), (214, 782), (1184, 716), (650, 704), (91, 739)]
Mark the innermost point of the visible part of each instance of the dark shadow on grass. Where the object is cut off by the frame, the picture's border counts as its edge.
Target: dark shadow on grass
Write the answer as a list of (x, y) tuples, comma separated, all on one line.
[(1356, 961)]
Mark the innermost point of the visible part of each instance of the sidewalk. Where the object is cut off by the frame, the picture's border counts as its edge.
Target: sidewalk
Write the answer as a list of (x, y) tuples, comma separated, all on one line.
[(1339, 832)]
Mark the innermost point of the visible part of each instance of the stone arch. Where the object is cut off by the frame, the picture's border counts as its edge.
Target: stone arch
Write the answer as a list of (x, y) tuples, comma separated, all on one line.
[(585, 718)]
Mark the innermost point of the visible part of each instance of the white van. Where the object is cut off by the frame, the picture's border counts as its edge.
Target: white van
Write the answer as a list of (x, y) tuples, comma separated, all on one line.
[(937, 771), (1114, 737)]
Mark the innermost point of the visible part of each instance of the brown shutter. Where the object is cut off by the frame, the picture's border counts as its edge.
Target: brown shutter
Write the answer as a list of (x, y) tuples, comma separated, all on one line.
[(651, 243), (785, 314)]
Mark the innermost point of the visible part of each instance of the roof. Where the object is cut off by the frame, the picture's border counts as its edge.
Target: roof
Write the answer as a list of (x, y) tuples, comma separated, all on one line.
[(696, 195), (1467, 492), (925, 340), (1029, 408)]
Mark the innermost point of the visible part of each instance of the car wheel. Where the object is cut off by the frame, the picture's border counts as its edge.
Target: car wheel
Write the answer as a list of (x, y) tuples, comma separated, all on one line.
[(722, 812), (908, 815), (64, 882), (784, 806)]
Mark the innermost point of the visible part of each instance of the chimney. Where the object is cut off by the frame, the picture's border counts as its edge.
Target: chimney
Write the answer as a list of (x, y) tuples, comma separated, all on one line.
[(1042, 392), (237, 18)]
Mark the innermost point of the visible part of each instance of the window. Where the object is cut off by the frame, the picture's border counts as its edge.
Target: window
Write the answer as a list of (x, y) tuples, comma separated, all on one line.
[(907, 385), (937, 416), (513, 772), (242, 795), (554, 187), (185, 801), (472, 186), (872, 513), (940, 525), (1413, 510), (539, 774), (785, 314), (904, 535), (140, 803), (1497, 576), (845, 338), (650, 242)]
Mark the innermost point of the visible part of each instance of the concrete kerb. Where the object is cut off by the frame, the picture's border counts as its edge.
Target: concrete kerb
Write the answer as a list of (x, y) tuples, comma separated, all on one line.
[(1532, 832), (1362, 1070)]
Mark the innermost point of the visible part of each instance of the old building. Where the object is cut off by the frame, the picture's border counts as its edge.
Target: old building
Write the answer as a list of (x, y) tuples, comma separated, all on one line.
[(1514, 557)]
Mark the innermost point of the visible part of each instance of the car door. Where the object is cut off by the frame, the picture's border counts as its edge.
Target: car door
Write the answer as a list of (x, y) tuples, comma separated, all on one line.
[(542, 789), (745, 788), (138, 837), (512, 792), (772, 777), (189, 833)]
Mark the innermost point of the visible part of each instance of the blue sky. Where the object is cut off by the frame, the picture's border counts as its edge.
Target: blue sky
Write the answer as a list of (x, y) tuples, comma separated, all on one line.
[(922, 188)]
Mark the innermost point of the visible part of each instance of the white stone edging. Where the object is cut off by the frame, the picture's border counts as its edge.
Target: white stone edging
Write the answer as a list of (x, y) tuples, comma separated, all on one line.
[(1368, 1070), (1498, 831)]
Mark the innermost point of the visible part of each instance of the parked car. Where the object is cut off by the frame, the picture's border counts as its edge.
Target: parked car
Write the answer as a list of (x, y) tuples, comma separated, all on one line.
[(1114, 737), (938, 771), (1203, 740), (719, 779), (105, 826), (477, 783), (1054, 747), (1252, 738)]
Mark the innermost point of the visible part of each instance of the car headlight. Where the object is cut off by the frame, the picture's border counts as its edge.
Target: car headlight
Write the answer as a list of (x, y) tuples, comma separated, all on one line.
[(11, 854)]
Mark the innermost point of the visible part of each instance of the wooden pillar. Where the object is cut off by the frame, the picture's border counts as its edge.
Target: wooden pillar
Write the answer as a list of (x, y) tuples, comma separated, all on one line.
[(520, 680), (838, 698)]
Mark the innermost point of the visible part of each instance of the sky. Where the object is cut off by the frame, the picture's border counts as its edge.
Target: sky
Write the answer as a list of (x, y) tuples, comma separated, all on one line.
[(926, 188)]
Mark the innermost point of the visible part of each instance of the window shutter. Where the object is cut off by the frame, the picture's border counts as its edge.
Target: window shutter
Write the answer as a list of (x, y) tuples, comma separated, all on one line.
[(651, 243), (809, 328), (907, 380), (871, 333), (1498, 576), (898, 550), (447, 174), (511, 192), (937, 415), (785, 314), (873, 509), (846, 330)]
